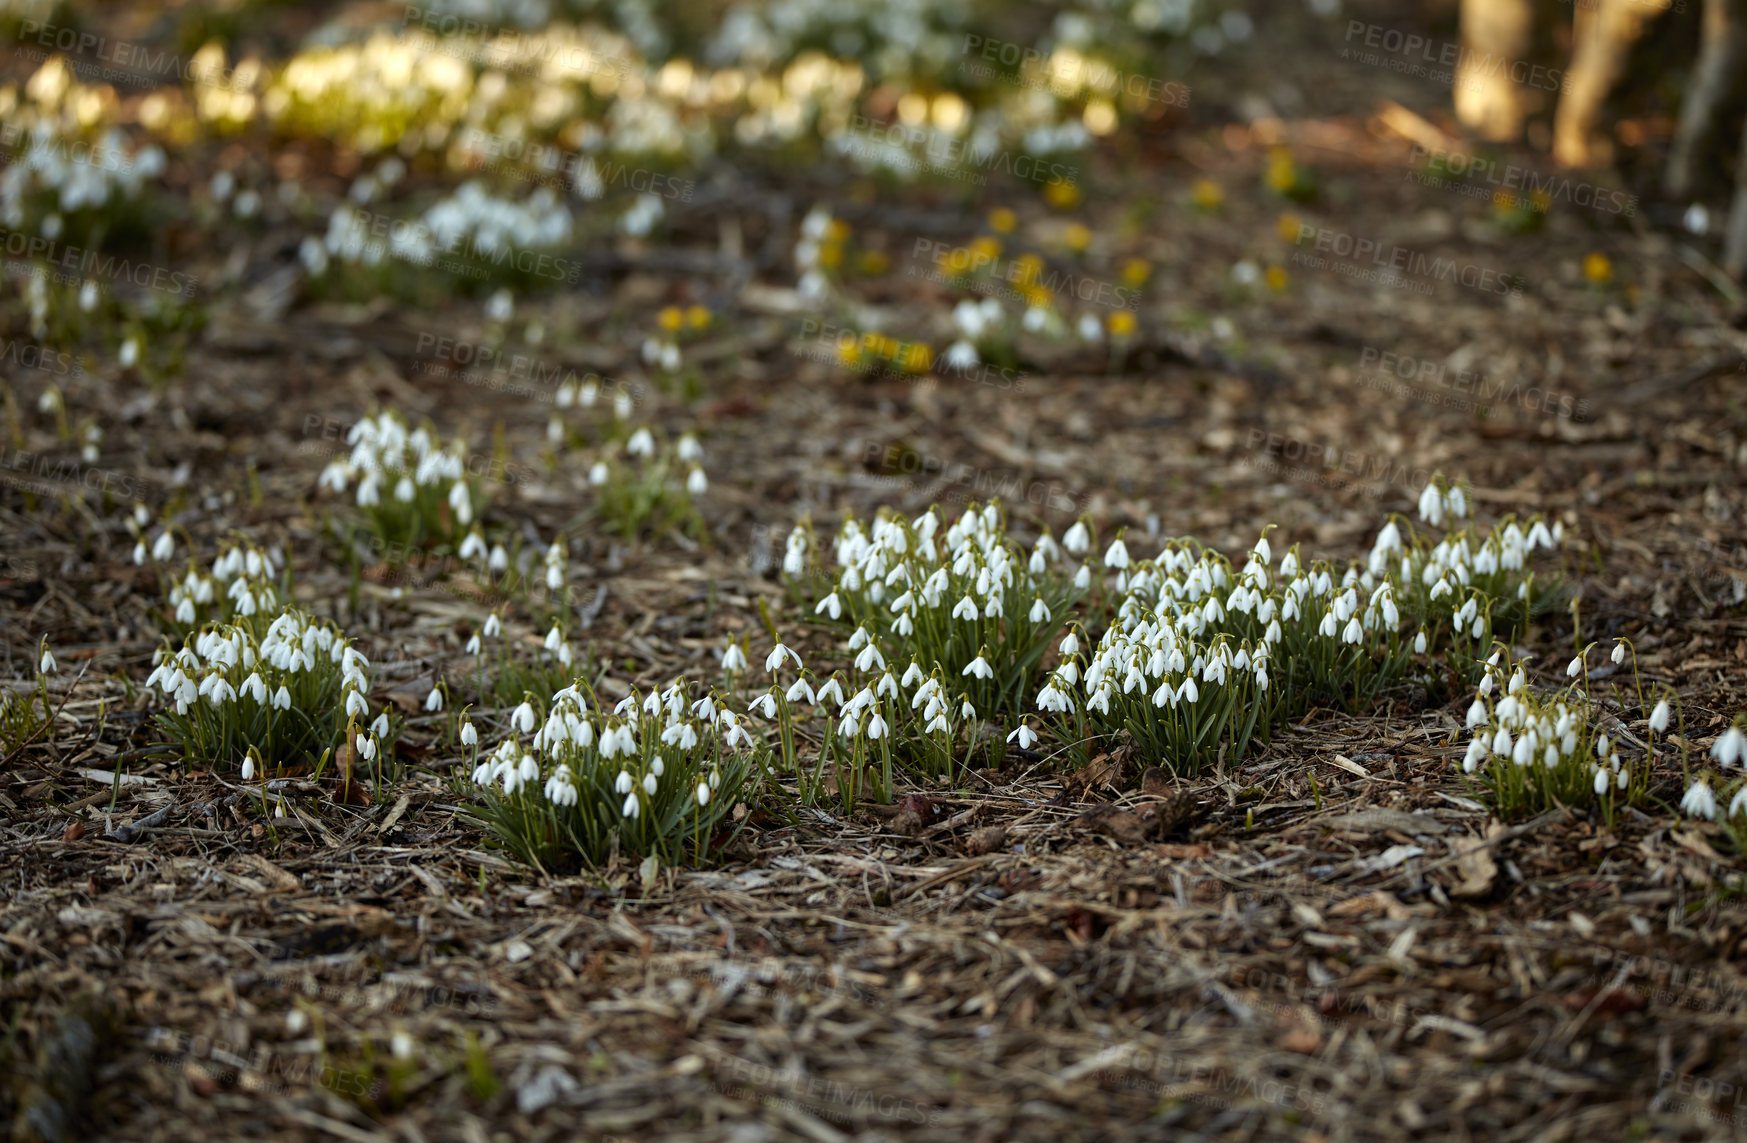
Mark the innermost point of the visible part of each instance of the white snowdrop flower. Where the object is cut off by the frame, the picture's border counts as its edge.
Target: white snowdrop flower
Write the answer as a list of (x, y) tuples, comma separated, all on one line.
[(1070, 644), (380, 726), (631, 807), (774, 661), (1419, 643), (876, 726), (139, 553), (764, 704), (46, 664), (1116, 555), (1730, 747), (164, 546), (1023, 735), (870, 659), (434, 700), (599, 473), (980, 668), (282, 699), (1083, 577), (1659, 717), (469, 736), (1619, 655), (623, 783), (254, 687), (472, 647), (703, 793), (1699, 802), (965, 609), (800, 690), (554, 576), (1189, 692), (1039, 611), (1476, 714), (1354, 632), (1431, 505), (522, 718), (366, 747), (493, 626), (1485, 687), (1475, 755), (697, 484), (1575, 667), (1457, 502), (1501, 743), (1601, 781), (650, 782), (733, 658), (642, 443), (1077, 539), (831, 606), (356, 707), (249, 766), (1736, 805)]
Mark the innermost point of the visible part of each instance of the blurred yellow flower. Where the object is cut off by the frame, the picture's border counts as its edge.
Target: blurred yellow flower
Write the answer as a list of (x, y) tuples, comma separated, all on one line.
[(986, 249), (1276, 278), (698, 317), (830, 255), (1062, 194), (1136, 271), (837, 232), (670, 318), (1026, 269), (917, 358), (1208, 195), (1598, 269), (1121, 323), (1002, 220), (1282, 174), (1079, 236), (1289, 227)]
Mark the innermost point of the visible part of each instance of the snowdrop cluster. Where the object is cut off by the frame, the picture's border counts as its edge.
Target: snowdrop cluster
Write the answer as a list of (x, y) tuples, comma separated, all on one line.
[(471, 222), (284, 694), (1533, 750), (413, 487), (658, 772), (68, 174), (1201, 654), (647, 483), (241, 584), (1729, 752), (964, 598)]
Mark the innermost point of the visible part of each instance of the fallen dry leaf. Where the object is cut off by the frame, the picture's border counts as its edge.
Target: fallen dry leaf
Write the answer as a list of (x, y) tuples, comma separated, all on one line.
[(986, 840)]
